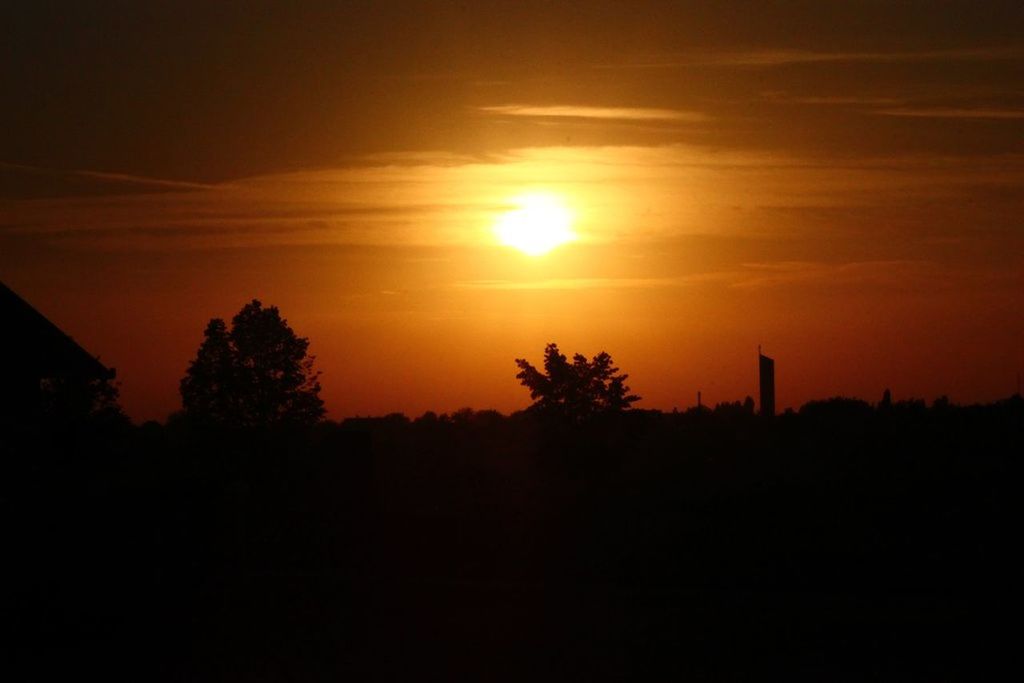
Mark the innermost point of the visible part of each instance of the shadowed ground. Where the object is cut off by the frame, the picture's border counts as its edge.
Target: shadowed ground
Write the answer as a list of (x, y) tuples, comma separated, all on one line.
[(840, 545)]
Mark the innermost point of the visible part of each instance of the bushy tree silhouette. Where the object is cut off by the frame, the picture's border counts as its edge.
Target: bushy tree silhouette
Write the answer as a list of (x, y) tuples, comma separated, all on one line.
[(71, 401), (576, 391), (257, 373)]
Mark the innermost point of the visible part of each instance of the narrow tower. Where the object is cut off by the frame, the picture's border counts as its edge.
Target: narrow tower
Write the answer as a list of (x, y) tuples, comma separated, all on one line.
[(766, 366)]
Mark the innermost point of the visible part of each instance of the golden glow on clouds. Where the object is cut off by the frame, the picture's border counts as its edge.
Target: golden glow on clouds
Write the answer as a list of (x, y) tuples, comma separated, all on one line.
[(627, 195), (540, 223), (606, 113)]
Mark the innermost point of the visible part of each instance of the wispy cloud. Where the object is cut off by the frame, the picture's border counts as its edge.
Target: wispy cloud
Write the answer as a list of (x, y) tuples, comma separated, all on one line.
[(953, 113), (141, 182), (881, 273), (831, 100), (603, 113), (590, 283), (781, 57), (765, 275), (907, 107), (621, 195)]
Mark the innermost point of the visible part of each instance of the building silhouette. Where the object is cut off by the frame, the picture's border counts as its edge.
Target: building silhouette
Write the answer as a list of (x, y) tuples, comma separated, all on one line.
[(766, 374), (36, 351)]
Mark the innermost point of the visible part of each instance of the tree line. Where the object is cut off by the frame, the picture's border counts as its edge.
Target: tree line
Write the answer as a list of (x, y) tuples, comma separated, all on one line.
[(258, 373)]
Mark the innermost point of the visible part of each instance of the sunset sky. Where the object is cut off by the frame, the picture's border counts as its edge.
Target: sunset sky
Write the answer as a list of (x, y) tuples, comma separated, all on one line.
[(842, 183)]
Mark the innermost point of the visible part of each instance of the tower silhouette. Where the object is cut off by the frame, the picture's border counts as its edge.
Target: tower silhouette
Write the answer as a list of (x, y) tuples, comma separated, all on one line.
[(766, 368)]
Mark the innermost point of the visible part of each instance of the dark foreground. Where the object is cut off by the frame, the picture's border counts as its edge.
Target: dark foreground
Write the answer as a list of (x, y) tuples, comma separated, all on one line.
[(843, 543)]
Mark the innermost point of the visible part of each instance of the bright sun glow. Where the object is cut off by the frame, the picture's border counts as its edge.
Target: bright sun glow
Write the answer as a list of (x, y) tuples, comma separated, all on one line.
[(539, 224)]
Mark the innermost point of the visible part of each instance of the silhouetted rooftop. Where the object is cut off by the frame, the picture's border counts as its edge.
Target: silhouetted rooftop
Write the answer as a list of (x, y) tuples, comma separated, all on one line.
[(35, 346)]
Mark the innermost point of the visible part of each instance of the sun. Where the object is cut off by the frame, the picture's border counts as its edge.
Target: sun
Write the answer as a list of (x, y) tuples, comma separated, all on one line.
[(539, 223)]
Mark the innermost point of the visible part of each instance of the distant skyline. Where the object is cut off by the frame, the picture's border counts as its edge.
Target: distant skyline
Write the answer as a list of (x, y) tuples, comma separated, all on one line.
[(841, 183)]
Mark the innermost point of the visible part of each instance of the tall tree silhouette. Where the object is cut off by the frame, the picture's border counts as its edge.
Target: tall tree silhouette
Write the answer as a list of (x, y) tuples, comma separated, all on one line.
[(575, 391), (258, 373)]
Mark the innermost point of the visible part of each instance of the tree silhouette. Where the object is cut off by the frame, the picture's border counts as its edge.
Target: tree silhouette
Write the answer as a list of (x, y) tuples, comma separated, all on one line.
[(576, 391), (69, 401), (256, 374)]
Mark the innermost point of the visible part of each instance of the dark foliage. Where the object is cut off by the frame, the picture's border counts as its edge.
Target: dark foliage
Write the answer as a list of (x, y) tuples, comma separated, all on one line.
[(735, 408), (77, 402), (575, 392), (256, 374)]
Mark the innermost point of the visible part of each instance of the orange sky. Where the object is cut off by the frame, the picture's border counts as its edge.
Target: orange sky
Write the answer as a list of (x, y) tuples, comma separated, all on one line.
[(844, 189)]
